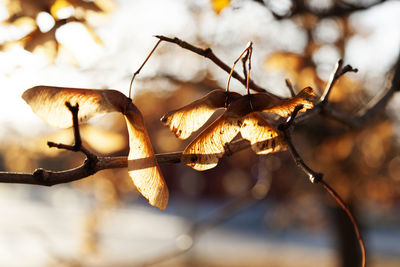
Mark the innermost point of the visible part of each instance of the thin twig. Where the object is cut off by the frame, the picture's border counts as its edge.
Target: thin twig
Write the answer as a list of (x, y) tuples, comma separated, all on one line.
[(382, 99), (368, 111), (336, 74), (77, 146), (321, 107), (316, 177), (249, 71), (290, 87), (137, 72), (244, 60), (340, 201), (338, 9), (247, 52), (208, 53)]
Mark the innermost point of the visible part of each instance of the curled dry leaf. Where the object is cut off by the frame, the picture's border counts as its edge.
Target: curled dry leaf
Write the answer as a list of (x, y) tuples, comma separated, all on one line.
[(243, 115), (49, 104), (188, 119)]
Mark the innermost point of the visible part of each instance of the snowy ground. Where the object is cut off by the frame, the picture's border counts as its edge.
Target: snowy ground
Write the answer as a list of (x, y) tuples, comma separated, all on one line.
[(45, 226)]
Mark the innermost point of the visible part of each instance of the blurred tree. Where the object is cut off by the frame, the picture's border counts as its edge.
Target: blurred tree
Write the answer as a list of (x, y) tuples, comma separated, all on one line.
[(360, 160), (44, 17)]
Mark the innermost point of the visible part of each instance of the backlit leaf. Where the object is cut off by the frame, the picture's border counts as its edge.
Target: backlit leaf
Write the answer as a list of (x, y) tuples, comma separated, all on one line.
[(263, 137), (305, 97), (142, 164), (184, 121), (241, 115), (48, 102), (206, 149)]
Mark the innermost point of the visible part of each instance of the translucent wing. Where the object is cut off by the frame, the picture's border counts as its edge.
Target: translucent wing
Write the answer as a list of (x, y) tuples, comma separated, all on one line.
[(48, 102), (263, 137), (305, 97), (188, 119), (142, 164), (207, 148)]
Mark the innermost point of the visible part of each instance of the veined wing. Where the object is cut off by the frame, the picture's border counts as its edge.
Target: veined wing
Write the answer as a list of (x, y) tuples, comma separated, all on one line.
[(305, 97), (142, 164), (207, 148), (263, 137), (188, 119), (48, 102)]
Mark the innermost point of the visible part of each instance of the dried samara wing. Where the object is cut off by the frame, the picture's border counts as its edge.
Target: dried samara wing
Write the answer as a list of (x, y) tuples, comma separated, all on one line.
[(305, 97), (142, 164), (205, 150), (264, 138), (48, 103), (188, 119), (243, 115)]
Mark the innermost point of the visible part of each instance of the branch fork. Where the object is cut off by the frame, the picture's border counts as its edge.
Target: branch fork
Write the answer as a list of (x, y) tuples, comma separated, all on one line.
[(77, 146)]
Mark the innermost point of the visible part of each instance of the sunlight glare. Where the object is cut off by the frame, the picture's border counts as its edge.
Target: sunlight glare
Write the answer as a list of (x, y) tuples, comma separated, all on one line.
[(45, 21), (76, 37)]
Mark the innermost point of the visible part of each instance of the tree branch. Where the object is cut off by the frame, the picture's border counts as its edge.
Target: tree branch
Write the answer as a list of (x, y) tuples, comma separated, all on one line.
[(316, 178), (77, 146), (88, 168), (336, 74), (322, 107), (290, 87), (208, 53), (372, 108), (339, 9)]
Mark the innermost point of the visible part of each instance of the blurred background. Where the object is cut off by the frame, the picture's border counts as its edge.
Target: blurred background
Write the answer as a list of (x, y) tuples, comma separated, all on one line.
[(248, 211)]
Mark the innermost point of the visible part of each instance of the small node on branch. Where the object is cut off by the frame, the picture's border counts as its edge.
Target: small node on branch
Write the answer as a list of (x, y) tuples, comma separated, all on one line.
[(38, 173), (286, 125), (316, 177), (90, 164), (207, 51), (51, 144), (228, 151), (41, 175), (72, 108)]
